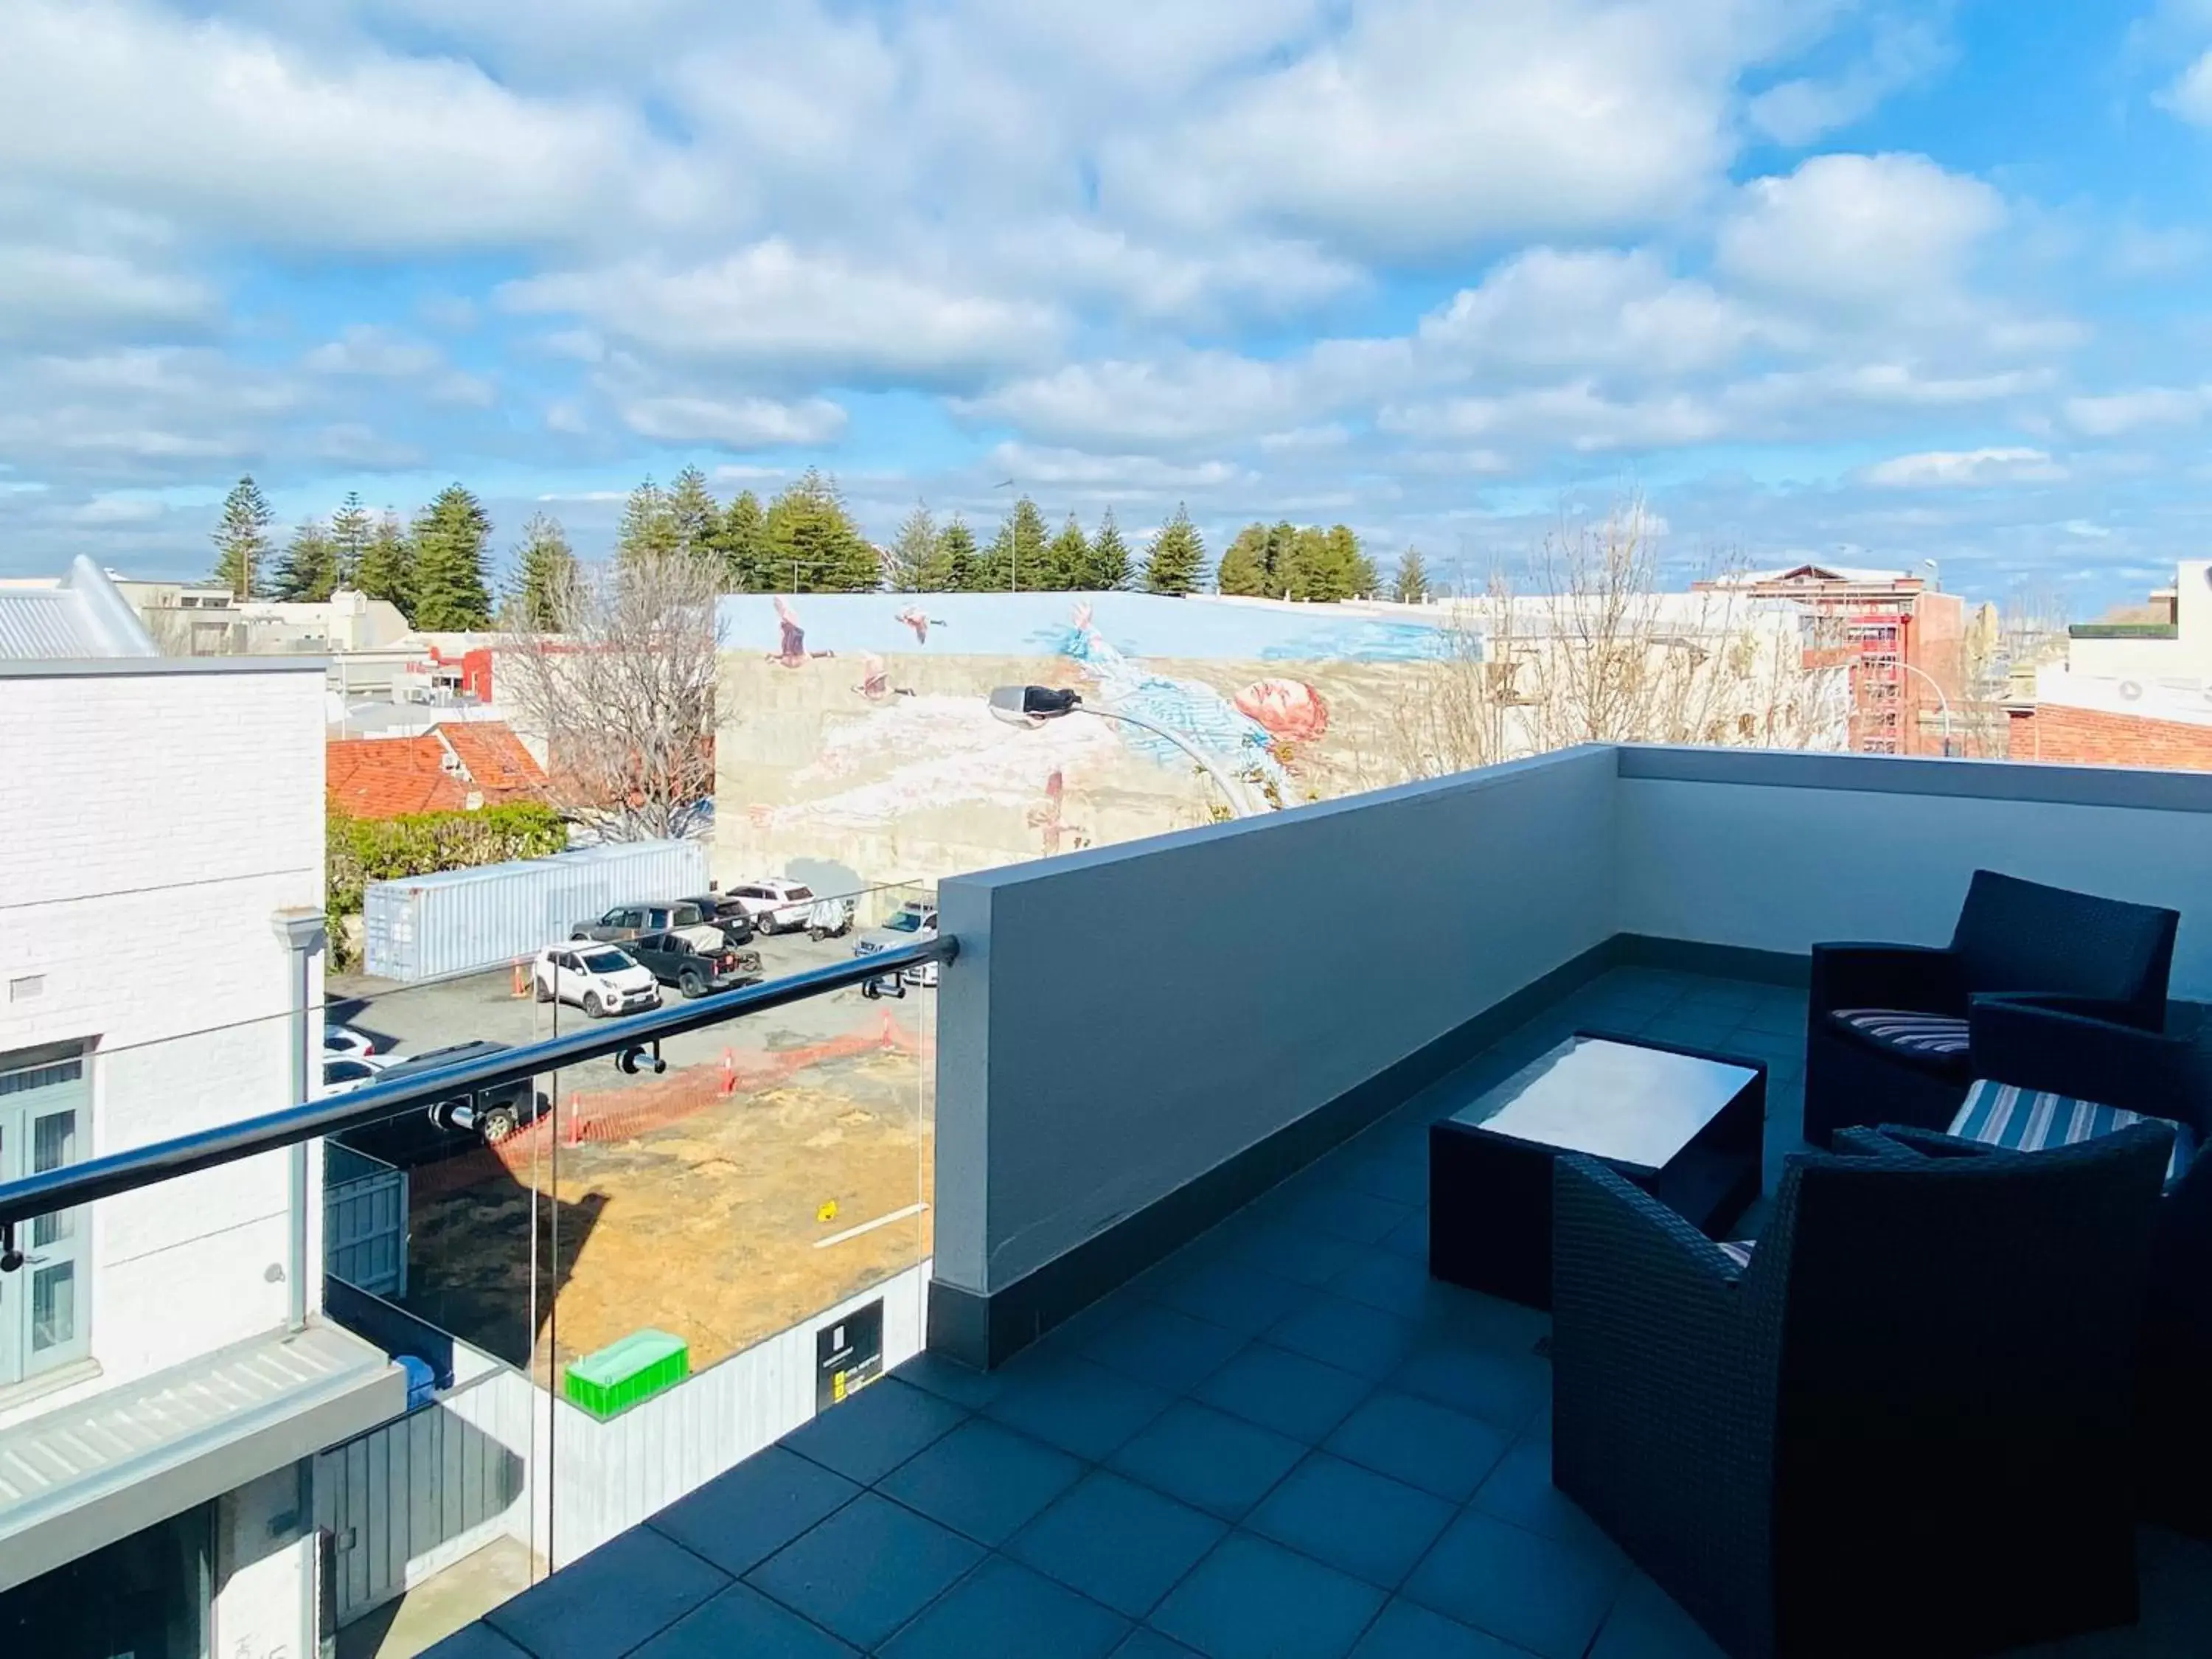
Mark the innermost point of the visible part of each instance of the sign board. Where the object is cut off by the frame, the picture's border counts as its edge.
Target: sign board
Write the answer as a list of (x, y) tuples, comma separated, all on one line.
[(848, 1354)]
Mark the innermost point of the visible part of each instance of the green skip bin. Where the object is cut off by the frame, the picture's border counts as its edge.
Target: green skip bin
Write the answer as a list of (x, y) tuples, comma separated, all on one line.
[(618, 1376)]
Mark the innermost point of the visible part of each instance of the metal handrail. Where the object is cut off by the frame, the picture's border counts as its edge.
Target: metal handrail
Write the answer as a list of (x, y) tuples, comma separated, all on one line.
[(163, 1160)]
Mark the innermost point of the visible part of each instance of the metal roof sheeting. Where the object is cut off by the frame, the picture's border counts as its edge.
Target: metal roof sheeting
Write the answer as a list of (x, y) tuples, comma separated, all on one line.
[(80, 618)]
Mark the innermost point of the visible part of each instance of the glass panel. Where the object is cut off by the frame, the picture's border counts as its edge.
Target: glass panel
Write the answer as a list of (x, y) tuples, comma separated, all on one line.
[(53, 1144), (53, 1306)]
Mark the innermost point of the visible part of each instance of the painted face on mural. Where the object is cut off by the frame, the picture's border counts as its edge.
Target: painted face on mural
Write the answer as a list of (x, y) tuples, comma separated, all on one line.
[(1290, 709)]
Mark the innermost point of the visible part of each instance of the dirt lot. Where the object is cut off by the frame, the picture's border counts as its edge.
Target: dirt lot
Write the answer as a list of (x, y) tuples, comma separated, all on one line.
[(717, 1226)]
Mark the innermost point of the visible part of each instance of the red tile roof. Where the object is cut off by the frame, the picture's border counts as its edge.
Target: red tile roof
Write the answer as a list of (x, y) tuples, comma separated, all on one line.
[(439, 772)]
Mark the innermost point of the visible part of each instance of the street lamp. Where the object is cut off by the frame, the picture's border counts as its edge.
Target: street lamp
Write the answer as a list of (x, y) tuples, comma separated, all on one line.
[(1942, 703), (1031, 706)]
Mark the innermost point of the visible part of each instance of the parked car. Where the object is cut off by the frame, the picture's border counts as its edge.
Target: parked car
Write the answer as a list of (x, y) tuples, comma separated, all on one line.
[(345, 1040), (628, 922), (720, 910), (469, 1120), (912, 923), (344, 1072), (600, 979), (775, 906), (678, 959)]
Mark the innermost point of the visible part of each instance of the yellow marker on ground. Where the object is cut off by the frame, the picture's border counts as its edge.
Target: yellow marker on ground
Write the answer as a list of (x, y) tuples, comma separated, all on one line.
[(828, 1211)]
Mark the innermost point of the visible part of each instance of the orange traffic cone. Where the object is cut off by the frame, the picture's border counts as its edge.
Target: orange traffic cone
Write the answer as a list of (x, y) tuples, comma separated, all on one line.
[(729, 1072), (521, 980)]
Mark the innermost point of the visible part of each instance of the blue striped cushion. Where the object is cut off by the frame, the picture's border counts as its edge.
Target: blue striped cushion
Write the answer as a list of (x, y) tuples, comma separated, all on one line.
[(1739, 1250), (2028, 1120), (1900, 1028)]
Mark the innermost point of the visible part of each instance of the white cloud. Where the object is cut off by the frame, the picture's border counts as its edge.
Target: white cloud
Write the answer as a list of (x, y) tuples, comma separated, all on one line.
[(772, 306), (50, 291), (1621, 310), (1903, 52), (1968, 468), (2190, 97), (1095, 475), (2118, 412), (741, 423), (1578, 416), (1858, 231), (362, 348)]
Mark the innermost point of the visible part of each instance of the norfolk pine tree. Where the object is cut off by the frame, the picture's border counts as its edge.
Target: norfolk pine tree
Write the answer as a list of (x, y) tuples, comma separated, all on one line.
[(545, 577), (1016, 559), (387, 568), (1246, 566), (1067, 557), (1109, 558), (453, 538), (914, 553), (309, 572), (694, 514), (813, 544), (1411, 586), (743, 544), (958, 567), (242, 540), (648, 528), (351, 531), (1176, 562)]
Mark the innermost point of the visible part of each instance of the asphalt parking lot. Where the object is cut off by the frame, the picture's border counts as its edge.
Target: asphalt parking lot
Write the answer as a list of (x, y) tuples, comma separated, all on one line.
[(413, 1019)]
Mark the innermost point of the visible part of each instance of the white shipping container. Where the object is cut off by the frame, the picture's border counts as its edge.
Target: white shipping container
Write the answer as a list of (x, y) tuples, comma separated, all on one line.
[(462, 921)]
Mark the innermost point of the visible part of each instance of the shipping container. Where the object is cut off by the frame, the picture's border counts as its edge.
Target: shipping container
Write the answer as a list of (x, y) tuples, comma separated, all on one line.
[(462, 921)]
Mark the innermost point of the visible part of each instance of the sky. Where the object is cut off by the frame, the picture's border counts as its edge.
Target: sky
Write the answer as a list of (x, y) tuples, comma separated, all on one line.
[(1869, 283)]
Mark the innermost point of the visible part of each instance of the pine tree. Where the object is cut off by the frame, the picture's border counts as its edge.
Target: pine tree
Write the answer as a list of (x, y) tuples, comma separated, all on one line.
[(309, 572), (1348, 555), (694, 514), (350, 535), (958, 567), (1067, 557), (1411, 583), (813, 544), (242, 540), (648, 528), (914, 554), (453, 538), (743, 545), (1247, 567), (1109, 558), (1176, 562), (1017, 559), (544, 575), (387, 568)]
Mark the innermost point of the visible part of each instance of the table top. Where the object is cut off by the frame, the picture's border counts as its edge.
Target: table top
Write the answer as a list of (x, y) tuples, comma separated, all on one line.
[(1609, 1099)]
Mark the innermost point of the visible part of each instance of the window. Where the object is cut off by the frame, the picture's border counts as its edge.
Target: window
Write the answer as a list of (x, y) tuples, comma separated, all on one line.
[(606, 961), (346, 1071), (44, 1124), (799, 892)]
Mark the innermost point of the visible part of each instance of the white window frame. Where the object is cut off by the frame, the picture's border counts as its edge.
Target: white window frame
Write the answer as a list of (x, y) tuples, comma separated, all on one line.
[(26, 1097)]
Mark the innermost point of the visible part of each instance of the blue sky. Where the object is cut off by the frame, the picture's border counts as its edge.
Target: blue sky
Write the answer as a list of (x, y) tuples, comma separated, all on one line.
[(1873, 282)]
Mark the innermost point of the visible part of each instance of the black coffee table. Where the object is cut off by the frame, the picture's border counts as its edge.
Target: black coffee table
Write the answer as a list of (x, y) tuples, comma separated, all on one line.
[(1685, 1124)]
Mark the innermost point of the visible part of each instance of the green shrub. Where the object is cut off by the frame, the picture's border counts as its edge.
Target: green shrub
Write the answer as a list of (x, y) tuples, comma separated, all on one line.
[(362, 850)]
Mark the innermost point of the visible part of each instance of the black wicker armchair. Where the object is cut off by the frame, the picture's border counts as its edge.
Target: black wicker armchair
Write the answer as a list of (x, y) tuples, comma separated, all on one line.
[(1902, 1430), (1886, 1038)]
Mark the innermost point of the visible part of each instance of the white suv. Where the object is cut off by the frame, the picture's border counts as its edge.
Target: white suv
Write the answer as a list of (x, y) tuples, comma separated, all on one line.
[(912, 923), (599, 979), (775, 906)]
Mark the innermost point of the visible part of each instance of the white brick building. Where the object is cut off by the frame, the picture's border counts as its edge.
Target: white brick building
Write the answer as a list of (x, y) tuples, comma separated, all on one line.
[(160, 813)]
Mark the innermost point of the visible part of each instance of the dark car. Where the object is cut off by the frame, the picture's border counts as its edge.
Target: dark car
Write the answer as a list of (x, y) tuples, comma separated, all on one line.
[(447, 1127), (722, 911), (626, 921), (675, 960)]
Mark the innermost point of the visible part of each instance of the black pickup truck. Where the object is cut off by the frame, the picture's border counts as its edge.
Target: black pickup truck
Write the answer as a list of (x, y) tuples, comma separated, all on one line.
[(675, 960), (466, 1122)]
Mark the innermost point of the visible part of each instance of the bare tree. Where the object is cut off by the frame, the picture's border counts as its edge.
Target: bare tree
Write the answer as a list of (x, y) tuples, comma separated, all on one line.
[(623, 698)]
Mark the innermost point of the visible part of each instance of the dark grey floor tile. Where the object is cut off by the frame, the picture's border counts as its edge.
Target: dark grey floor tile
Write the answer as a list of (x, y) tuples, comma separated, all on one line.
[(1163, 1345), (1361, 1523), (1347, 1334), (1537, 1593), (1520, 1490), (476, 1642), (1118, 1542), (983, 1480), (1077, 1405), (1410, 1237), (738, 1520), (1242, 1298), (1219, 1463), (1291, 1252), (1406, 1630), (1003, 1611), (1420, 1443), (949, 1379), (632, 1587), (1283, 1391), (1346, 1211), (1401, 1180), (1506, 1390), (1645, 1624), (741, 1621), (1253, 1600), (867, 1437), (1151, 1644), (866, 1570)]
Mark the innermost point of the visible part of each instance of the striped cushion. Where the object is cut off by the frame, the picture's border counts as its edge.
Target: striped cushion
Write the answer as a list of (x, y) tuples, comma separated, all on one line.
[(1898, 1027), (2027, 1119), (1739, 1250)]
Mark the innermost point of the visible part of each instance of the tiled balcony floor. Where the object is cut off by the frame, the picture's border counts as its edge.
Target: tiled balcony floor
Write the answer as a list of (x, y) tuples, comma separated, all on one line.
[(1283, 1443)]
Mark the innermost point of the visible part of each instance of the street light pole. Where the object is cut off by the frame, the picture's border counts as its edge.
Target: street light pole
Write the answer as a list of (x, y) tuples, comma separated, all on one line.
[(1033, 705), (1942, 703)]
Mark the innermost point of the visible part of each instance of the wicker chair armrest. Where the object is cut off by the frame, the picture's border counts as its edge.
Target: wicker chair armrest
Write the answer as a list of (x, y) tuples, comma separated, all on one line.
[(1934, 1143), (1926, 979), (2032, 1045)]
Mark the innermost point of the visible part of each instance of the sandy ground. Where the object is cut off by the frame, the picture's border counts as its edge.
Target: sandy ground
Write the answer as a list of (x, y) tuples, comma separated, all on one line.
[(717, 1227)]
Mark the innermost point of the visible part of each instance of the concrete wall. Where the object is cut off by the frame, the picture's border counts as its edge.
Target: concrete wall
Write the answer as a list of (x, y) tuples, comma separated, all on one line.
[(159, 819), (1778, 851), (1120, 1021)]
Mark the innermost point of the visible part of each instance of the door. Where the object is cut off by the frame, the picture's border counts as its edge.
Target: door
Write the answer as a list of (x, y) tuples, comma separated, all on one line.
[(567, 976), (45, 1123)]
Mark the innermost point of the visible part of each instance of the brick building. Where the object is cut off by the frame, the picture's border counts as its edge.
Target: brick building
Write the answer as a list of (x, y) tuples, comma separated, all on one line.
[(2135, 689)]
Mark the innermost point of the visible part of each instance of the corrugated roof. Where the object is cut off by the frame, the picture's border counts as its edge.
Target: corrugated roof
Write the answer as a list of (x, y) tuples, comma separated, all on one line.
[(81, 618)]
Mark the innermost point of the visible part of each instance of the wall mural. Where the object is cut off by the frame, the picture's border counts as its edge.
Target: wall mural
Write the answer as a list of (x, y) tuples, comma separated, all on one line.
[(856, 734)]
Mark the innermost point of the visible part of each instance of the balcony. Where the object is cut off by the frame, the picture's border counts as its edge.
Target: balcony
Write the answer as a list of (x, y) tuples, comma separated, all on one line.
[(1190, 1388)]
